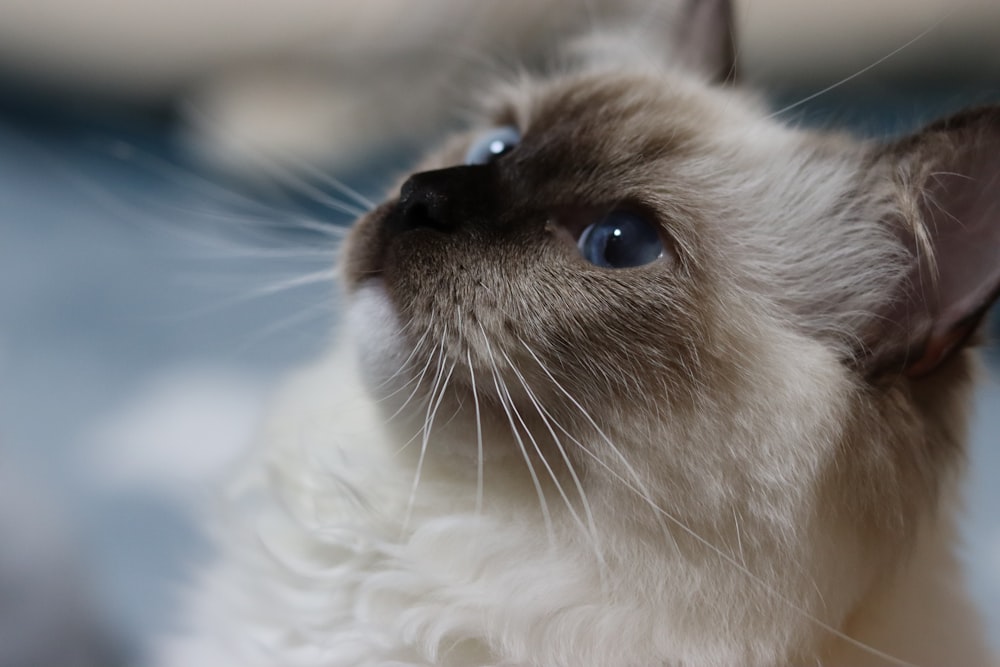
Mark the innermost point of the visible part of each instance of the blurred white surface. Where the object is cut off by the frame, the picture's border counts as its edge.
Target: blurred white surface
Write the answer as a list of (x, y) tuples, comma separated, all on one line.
[(182, 431)]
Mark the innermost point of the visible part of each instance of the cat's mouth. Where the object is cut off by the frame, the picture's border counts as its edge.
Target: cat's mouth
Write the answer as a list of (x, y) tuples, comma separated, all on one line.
[(406, 356)]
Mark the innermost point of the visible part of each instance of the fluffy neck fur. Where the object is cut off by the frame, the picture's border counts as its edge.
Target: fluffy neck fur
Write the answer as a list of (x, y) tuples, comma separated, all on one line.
[(355, 572)]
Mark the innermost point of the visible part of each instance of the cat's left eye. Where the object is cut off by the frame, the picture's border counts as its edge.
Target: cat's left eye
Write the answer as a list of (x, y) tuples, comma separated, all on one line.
[(621, 239), (491, 144)]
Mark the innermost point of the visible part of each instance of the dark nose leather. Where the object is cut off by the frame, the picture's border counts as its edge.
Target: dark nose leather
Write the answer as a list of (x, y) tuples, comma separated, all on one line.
[(442, 200)]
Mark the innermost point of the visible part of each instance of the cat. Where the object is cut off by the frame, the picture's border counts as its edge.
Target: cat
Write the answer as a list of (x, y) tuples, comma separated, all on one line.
[(632, 374)]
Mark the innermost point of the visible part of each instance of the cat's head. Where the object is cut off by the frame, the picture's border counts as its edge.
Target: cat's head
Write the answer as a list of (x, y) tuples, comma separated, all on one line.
[(629, 268)]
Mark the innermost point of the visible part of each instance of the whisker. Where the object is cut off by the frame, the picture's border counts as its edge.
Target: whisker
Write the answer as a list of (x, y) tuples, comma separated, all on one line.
[(420, 379), (187, 179), (267, 221), (290, 283), (479, 437), (937, 24), (424, 433), (546, 516), (590, 527), (319, 196), (335, 183), (306, 280), (270, 161), (722, 555), (296, 319), (404, 366), (434, 401), (541, 456), (628, 466)]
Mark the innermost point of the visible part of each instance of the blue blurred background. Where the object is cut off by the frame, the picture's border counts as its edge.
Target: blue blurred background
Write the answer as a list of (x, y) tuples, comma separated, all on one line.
[(141, 327)]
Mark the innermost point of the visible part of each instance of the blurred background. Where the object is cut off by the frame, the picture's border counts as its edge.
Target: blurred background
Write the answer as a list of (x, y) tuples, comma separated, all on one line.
[(173, 177)]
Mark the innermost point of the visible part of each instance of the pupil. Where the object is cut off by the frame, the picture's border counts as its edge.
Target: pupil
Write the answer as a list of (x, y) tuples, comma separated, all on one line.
[(497, 147), (617, 252)]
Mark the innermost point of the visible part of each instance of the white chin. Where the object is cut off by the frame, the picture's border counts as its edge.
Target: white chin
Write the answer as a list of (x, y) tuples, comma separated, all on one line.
[(378, 337)]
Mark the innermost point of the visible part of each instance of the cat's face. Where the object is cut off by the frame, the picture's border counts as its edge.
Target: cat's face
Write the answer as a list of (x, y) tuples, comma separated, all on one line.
[(636, 280), (618, 258), (585, 243)]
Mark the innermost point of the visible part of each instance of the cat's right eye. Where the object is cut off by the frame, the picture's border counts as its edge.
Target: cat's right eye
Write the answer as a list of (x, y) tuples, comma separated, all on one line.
[(491, 144), (620, 240)]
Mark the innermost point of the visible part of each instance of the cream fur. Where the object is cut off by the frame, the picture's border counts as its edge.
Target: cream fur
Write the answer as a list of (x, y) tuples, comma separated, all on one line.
[(327, 574), (722, 487)]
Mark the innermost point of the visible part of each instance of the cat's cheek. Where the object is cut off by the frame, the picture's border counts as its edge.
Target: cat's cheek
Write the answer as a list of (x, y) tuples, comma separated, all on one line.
[(362, 254), (375, 330)]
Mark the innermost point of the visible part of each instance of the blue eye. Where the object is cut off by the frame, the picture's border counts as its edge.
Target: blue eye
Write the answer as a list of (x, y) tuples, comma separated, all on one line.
[(620, 240), (491, 144)]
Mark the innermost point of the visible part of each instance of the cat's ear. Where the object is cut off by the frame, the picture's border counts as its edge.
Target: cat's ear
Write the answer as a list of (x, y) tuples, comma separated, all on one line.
[(951, 171), (697, 35), (705, 38)]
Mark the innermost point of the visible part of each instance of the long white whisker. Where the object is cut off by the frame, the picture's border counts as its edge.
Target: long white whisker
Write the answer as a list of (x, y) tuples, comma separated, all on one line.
[(420, 379), (306, 280), (335, 183), (233, 251), (766, 587), (590, 527), (861, 71), (621, 457), (189, 180), (479, 437), (269, 220), (541, 456), (269, 160), (296, 319), (546, 516), (252, 211), (424, 432), (298, 281), (315, 193), (434, 401), (404, 366)]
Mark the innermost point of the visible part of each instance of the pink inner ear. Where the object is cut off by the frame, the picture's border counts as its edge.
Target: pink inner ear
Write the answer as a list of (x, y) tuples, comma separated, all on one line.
[(937, 309), (966, 237), (962, 215)]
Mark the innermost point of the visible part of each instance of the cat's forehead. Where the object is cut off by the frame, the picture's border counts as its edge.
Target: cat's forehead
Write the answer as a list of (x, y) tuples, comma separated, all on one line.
[(646, 132), (655, 111), (651, 135)]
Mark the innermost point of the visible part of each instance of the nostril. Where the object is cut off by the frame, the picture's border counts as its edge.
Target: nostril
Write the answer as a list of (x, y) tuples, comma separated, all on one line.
[(418, 214), (422, 208)]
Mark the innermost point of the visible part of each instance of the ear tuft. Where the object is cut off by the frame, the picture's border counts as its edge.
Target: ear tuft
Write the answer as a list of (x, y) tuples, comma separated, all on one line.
[(951, 171), (705, 38), (697, 35)]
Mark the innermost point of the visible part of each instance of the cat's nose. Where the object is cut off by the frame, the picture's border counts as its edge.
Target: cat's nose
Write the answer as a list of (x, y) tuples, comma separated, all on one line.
[(441, 200), (424, 203)]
